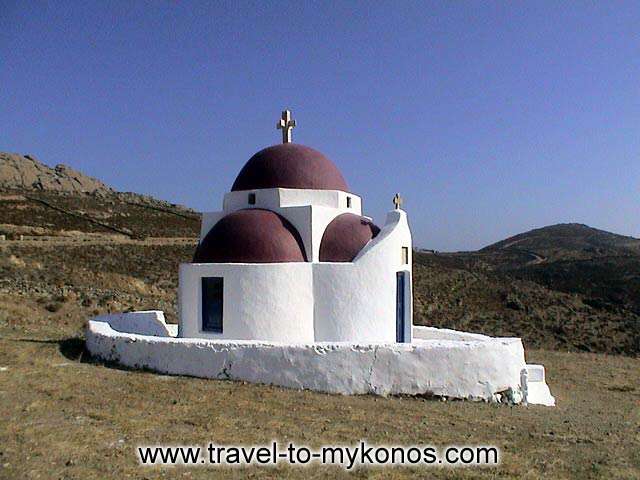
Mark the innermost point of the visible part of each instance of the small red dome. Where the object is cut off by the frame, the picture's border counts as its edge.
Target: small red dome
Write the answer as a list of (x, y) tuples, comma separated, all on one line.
[(251, 236), (289, 165), (345, 236)]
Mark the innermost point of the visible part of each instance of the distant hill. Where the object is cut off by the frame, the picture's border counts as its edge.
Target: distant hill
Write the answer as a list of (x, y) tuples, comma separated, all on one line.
[(568, 240), (562, 286), (37, 200)]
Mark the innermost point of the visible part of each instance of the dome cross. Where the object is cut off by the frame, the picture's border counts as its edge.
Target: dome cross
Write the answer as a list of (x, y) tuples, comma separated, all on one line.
[(286, 124), (397, 201)]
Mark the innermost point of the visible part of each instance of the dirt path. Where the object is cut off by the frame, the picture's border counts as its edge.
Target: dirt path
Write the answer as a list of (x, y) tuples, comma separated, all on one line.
[(536, 258)]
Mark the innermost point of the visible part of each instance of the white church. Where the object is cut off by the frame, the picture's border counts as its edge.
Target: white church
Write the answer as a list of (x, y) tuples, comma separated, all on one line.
[(291, 285), (291, 258)]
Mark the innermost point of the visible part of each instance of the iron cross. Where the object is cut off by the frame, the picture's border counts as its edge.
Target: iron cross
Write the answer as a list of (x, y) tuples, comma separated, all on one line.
[(286, 124), (397, 201)]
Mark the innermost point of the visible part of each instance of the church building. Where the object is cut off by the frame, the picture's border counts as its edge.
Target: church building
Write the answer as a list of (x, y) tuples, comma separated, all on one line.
[(292, 285), (291, 258)]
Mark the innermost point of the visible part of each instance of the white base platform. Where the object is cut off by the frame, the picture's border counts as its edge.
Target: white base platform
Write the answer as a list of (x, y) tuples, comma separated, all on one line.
[(439, 362)]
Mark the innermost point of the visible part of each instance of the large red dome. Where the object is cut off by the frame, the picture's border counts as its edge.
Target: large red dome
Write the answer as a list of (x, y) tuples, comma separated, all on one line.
[(251, 236), (345, 236), (289, 165)]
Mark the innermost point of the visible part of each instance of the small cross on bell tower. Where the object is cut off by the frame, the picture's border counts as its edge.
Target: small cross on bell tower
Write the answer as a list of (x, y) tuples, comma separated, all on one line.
[(286, 124), (397, 201)]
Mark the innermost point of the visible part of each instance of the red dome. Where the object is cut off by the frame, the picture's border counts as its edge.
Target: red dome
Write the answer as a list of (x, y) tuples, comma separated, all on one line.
[(251, 236), (345, 236), (289, 165)]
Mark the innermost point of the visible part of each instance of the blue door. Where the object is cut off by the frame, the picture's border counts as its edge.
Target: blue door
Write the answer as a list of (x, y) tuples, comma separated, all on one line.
[(400, 307)]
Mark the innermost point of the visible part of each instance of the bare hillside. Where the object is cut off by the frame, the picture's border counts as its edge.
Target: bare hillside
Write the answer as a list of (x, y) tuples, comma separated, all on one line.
[(25, 172), (39, 201), (567, 286), (568, 240)]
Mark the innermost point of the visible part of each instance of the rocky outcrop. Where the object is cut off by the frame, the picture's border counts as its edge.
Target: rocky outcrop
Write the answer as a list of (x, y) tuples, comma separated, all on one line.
[(24, 172)]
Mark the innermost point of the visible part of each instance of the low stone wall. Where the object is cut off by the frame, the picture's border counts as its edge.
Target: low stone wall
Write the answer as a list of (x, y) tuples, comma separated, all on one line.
[(146, 322), (477, 368)]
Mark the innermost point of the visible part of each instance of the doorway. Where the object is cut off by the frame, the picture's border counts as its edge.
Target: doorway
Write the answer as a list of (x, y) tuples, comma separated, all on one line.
[(401, 286)]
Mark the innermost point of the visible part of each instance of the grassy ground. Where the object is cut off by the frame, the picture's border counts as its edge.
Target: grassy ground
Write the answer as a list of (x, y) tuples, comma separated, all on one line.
[(68, 419), (62, 417)]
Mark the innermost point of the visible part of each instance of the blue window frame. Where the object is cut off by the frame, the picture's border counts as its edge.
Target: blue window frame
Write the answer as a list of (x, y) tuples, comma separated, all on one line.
[(212, 302)]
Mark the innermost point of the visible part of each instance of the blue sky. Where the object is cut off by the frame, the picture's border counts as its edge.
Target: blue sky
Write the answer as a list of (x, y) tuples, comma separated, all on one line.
[(490, 118)]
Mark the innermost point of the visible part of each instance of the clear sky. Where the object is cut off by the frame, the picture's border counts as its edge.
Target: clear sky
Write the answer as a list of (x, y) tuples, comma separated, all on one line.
[(490, 118)]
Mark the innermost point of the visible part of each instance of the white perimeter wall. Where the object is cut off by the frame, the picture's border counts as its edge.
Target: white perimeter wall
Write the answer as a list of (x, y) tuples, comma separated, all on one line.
[(473, 369)]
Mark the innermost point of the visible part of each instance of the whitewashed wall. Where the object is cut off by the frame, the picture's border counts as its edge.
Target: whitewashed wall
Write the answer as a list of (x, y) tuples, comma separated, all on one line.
[(209, 219), (272, 302), (306, 302), (292, 197), (357, 301), (474, 369), (145, 322), (271, 198)]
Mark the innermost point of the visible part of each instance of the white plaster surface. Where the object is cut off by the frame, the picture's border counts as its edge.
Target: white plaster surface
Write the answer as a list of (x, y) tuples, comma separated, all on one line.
[(357, 301), (267, 301), (431, 333), (469, 369), (535, 388), (147, 322), (209, 219), (282, 198)]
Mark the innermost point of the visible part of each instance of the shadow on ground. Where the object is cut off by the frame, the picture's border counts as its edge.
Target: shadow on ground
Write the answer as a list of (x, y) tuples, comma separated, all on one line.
[(71, 348)]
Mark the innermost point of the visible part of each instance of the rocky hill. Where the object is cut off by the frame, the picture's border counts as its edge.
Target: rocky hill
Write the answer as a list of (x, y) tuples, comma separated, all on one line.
[(37, 200), (25, 172), (575, 258)]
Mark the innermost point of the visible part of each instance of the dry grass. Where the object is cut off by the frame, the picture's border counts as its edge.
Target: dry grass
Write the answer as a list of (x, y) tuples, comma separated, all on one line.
[(67, 418)]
